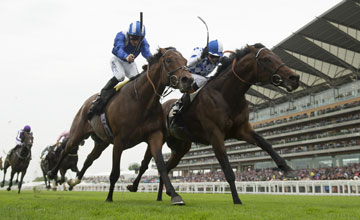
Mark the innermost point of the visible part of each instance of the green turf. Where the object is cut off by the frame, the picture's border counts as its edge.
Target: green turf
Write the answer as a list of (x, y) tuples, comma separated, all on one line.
[(91, 205)]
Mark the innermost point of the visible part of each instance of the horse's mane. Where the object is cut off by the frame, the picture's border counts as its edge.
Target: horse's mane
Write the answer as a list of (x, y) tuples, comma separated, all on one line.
[(227, 61), (152, 60)]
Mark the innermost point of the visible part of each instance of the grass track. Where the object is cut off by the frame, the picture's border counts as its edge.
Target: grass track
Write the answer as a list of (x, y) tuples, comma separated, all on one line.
[(92, 205)]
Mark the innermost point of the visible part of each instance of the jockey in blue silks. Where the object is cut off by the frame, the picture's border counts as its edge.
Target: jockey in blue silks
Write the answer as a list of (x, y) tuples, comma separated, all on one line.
[(201, 63), (127, 46)]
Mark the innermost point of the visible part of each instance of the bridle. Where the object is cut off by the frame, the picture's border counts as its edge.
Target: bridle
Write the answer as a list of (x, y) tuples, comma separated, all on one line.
[(275, 78), (171, 74)]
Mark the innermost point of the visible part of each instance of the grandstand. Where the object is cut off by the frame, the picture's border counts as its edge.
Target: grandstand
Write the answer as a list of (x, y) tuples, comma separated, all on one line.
[(318, 125)]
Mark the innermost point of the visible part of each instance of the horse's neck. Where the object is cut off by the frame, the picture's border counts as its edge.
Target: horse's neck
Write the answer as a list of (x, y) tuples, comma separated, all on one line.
[(24, 151), (146, 91), (232, 89)]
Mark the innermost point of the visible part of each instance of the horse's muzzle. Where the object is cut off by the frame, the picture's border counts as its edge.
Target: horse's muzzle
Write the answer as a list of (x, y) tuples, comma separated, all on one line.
[(186, 83), (292, 83)]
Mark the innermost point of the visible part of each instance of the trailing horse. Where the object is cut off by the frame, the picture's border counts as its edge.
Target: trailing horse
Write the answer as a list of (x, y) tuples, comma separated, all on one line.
[(19, 161), (134, 115), (220, 111), (52, 158)]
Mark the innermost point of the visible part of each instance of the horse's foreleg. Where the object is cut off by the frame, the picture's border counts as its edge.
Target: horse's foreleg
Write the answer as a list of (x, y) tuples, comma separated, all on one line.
[(21, 180), (95, 154), (180, 149), (17, 178), (62, 174), (11, 179), (115, 171), (6, 165), (280, 162), (218, 145), (144, 166), (155, 142)]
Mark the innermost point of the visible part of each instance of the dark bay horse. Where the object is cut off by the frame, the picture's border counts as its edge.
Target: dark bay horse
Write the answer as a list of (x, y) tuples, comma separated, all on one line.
[(19, 161), (134, 115), (47, 163), (220, 111), (52, 158)]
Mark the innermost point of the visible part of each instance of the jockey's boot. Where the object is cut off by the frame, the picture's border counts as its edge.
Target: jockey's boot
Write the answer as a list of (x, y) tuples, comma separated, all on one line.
[(101, 100), (180, 106)]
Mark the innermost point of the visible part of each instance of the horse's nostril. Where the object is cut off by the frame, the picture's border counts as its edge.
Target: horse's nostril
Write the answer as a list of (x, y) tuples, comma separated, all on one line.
[(294, 78)]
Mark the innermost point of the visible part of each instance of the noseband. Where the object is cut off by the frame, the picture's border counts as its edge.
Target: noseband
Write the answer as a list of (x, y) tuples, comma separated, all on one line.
[(171, 74), (275, 78)]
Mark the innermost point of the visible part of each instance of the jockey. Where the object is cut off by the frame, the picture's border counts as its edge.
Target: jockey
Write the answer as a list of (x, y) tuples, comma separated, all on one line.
[(201, 63), (126, 48), (63, 137), (20, 138)]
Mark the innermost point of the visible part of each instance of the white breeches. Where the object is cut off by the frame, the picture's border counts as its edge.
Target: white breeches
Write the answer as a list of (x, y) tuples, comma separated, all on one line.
[(122, 68), (200, 80)]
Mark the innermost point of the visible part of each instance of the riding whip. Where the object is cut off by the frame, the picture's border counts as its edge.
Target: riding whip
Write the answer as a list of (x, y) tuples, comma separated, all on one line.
[(141, 26), (207, 41)]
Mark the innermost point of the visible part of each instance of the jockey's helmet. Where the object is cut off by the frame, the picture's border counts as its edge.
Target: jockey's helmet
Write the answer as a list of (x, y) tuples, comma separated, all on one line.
[(215, 48), (134, 29), (27, 128)]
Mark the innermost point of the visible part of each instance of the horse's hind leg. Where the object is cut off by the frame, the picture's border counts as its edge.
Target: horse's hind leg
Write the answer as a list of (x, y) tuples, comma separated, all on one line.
[(21, 180), (144, 166)]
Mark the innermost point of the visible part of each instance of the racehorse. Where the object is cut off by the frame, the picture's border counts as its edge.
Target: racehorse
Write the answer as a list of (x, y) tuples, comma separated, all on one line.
[(69, 162), (47, 163), (50, 161), (19, 161), (134, 115), (220, 111)]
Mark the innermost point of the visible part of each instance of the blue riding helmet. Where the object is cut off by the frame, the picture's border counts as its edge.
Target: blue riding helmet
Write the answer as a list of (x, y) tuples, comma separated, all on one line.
[(134, 29), (215, 48), (27, 128)]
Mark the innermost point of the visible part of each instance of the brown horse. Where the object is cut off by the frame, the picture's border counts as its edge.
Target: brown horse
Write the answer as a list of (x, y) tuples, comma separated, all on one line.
[(134, 115), (220, 111), (19, 161)]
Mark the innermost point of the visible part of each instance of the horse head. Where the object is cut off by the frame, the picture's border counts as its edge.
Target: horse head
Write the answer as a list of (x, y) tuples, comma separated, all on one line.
[(271, 70), (28, 139), (173, 64)]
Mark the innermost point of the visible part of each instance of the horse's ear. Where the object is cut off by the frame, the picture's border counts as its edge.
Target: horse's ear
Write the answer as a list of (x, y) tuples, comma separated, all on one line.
[(162, 50), (252, 48)]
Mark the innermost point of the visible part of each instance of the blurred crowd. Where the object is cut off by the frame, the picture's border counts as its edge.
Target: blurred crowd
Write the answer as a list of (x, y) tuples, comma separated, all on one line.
[(350, 172)]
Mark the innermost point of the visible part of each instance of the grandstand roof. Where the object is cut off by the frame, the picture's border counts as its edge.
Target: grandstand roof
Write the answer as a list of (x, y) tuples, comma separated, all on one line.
[(325, 53)]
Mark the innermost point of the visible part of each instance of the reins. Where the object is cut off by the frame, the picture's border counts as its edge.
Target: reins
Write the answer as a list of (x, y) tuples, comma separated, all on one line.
[(169, 73), (273, 76)]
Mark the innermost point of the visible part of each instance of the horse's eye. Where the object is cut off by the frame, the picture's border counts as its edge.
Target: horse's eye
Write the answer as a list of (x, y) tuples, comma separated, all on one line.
[(168, 60)]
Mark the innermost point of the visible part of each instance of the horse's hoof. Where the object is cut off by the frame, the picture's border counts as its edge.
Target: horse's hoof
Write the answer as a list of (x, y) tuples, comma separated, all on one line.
[(8, 189), (131, 188), (177, 200), (70, 188), (237, 202), (73, 183), (108, 200)]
